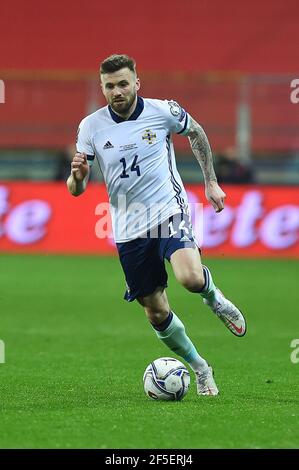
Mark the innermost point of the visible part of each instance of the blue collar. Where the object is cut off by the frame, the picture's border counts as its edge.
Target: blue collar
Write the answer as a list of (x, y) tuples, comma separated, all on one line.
[(136, 113)]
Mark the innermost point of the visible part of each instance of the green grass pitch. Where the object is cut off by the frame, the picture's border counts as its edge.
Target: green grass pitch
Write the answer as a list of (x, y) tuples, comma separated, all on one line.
[(75, 355)]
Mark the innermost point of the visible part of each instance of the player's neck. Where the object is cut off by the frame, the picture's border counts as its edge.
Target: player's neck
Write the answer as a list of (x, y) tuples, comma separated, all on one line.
[(126, 115)]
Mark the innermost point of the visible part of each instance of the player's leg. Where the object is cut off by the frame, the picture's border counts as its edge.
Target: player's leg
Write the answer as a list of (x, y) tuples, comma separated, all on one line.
[(146, 278), (195, 277), (171, 331)]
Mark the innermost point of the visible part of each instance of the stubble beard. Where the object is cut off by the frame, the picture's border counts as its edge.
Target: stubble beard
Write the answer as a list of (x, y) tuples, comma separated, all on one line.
[(123, 108)]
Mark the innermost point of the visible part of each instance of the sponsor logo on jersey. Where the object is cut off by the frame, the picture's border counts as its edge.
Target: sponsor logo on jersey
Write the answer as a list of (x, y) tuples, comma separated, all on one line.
[(149, 135), (108, 145)]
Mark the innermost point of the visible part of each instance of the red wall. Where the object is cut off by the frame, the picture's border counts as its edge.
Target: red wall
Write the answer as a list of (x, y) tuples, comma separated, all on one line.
[(202, 35), (46, 113)]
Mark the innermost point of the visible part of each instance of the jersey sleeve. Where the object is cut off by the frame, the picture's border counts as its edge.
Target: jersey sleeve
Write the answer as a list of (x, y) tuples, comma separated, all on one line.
[(83, 143), (177, 119)]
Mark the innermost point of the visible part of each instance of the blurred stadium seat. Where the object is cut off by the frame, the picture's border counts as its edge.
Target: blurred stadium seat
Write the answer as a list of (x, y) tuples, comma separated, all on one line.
[(234, 77), (42, 115), (232, 72)]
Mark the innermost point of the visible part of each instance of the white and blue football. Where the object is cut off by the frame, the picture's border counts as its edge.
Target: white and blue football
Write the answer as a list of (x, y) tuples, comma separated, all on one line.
[(166, 378)]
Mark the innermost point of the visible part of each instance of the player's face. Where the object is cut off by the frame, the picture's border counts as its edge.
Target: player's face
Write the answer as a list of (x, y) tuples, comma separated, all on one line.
[(120, 90)]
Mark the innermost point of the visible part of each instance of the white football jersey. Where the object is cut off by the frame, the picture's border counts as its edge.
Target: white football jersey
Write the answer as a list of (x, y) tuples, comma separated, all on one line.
[(137, 159)]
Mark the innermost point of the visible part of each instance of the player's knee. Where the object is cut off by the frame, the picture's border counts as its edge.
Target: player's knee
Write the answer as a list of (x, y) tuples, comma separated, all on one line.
[(156, 316), (192, 281)]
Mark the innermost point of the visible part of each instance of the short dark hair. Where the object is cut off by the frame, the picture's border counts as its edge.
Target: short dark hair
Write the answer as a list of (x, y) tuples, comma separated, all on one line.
[(116, 62)]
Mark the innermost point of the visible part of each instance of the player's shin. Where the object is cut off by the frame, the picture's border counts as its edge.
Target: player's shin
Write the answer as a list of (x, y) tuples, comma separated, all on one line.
[(172, 333)]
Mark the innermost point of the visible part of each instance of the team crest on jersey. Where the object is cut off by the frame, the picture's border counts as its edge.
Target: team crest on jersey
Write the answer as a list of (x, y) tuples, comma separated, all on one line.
[(176, 110), (150, 136)]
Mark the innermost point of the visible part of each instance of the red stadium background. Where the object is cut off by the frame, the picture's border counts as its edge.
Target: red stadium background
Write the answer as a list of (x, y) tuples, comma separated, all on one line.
[(198, 53), (169, 36), (44, 218)]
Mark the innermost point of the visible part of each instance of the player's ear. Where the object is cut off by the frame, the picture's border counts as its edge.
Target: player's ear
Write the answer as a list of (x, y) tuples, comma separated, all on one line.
[(138, 84), (101, 85)]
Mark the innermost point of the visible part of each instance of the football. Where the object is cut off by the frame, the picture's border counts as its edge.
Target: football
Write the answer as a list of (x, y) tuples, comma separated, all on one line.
[(166, 378)]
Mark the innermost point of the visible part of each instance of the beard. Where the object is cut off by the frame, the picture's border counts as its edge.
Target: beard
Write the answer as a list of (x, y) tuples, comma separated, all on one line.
[(122, 107)]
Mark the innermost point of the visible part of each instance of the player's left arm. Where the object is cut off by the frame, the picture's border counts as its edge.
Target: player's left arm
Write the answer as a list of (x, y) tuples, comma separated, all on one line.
[(201, 148)]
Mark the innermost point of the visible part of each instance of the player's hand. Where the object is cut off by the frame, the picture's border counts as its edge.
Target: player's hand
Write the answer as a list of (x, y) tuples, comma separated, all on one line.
[(215, 195), (79, 166)]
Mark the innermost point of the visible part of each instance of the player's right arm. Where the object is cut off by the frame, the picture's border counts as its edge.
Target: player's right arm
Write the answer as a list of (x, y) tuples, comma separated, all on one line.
[(202, 151), (77, 181), (82, 161)]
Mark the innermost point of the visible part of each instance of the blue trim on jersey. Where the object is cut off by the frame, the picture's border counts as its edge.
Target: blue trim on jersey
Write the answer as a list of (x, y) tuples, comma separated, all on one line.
[(183, 114), (176, 186), (138, 110), (185, 126)]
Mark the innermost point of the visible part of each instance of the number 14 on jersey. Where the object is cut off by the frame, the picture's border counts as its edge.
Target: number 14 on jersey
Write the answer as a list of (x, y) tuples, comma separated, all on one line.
[(134, 167)]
